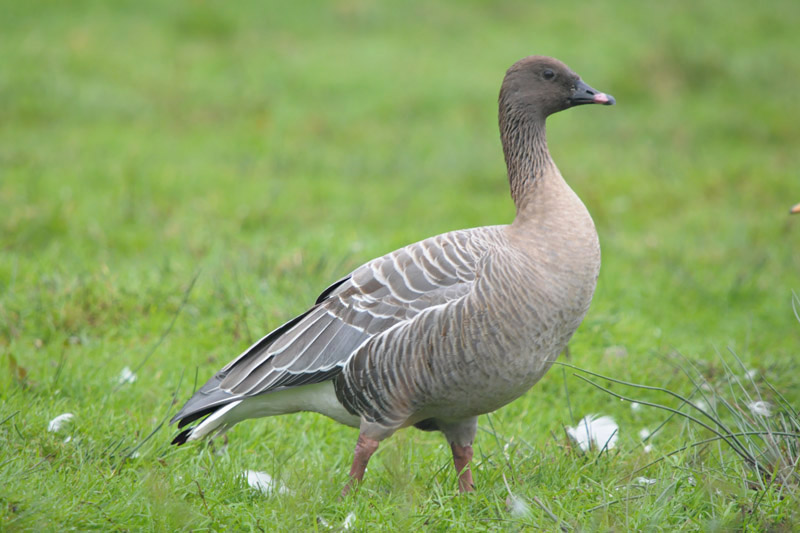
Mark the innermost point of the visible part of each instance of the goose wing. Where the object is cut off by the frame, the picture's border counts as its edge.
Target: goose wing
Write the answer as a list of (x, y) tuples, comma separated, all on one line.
[(314, 346)]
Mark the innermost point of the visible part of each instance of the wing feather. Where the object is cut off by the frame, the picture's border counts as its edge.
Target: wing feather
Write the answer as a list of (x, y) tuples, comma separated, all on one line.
[(375, 297)]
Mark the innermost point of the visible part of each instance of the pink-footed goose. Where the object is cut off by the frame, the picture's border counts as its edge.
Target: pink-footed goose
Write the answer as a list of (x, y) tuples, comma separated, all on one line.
[(443, 330)]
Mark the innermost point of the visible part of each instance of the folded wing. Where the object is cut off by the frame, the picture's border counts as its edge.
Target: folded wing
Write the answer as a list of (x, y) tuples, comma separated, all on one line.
[(377, 296)]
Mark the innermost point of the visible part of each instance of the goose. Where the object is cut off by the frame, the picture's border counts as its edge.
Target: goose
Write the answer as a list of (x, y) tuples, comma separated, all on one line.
[(443, 330)]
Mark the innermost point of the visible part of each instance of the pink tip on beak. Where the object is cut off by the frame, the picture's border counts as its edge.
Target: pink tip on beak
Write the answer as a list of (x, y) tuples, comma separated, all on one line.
[(794, 210), (602, 98)]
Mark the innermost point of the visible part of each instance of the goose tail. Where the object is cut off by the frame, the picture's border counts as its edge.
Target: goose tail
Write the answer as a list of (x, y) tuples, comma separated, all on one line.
[(215, 424)]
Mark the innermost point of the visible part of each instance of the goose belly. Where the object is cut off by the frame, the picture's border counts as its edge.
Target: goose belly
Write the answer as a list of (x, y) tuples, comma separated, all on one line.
[(508, 351), (479, 389)]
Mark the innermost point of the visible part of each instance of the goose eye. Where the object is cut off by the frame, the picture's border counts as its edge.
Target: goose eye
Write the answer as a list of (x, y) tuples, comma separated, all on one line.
[(548, 74)]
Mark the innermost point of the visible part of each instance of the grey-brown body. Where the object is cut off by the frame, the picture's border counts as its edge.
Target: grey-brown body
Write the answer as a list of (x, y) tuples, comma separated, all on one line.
[(443, 330), (475, 354)]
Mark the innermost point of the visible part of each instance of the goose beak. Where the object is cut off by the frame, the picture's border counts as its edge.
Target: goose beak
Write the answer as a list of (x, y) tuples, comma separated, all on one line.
[(583, 94), (794, 210)]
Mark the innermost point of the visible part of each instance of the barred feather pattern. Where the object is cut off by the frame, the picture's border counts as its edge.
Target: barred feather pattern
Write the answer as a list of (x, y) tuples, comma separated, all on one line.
[(371, 300)]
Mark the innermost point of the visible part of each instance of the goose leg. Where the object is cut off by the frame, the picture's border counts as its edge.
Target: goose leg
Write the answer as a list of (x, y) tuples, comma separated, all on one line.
[(365, 447), (460, 435), (462, 455)]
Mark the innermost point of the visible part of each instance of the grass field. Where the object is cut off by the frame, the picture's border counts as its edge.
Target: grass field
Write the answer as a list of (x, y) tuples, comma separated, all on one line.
[(266, 150)]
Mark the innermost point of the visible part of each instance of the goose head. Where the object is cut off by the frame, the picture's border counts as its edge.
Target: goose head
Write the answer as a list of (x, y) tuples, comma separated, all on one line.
[(541, 86)]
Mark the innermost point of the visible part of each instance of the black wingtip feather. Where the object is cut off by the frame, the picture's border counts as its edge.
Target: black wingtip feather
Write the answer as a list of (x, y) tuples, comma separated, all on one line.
[(327, 292), (182, 437), (188, 419)]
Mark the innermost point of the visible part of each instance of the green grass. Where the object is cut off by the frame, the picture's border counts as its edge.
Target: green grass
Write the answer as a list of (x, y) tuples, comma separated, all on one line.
[(269, 149)]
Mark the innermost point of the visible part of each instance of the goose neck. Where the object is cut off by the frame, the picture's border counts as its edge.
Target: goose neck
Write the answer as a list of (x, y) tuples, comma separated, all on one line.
[(527, 157)]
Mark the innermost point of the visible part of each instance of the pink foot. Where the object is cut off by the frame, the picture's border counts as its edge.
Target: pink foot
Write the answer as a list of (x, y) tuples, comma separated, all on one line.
[(365, 447), (462, 455)]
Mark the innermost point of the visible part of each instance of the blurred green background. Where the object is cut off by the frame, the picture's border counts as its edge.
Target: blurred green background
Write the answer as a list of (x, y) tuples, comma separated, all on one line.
[(271, 147)]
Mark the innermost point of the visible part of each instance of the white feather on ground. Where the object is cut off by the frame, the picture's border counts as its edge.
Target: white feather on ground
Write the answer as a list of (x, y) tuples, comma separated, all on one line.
[(126, 375), (349, 520), (517, 506), (263, 482), (59, 422), (760, 408), (595, 432)]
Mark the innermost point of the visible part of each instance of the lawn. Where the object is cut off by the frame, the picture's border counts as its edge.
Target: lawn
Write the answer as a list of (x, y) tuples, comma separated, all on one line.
[(177, 178)]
